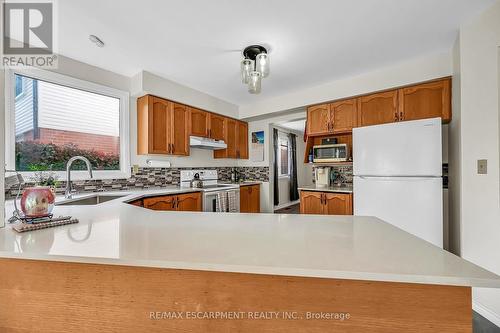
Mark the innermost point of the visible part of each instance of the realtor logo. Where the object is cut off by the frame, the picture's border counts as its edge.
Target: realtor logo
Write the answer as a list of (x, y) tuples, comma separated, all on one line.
[(28, 34)]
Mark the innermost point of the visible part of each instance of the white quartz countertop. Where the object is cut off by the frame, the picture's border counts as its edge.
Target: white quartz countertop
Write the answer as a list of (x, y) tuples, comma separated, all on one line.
[(344, 247), (335, 189)]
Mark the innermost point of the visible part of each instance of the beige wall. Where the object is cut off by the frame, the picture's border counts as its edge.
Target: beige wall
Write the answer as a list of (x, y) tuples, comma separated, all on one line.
[(415, 70), (265, 124), (478, 202), (455, 156)]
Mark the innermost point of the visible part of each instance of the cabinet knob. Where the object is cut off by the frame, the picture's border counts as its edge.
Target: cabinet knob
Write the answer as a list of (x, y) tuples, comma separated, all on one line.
[(396, 116), (401, 117)]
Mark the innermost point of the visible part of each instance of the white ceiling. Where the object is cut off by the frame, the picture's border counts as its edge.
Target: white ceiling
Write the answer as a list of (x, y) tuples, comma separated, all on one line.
[(295, 125), (198, 43)]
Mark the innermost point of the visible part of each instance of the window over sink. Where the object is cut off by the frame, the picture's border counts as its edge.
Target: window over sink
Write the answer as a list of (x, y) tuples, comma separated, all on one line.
[(53, 117)]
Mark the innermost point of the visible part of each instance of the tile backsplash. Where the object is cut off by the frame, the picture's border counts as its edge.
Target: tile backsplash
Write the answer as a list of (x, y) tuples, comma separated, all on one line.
[(150, 178)]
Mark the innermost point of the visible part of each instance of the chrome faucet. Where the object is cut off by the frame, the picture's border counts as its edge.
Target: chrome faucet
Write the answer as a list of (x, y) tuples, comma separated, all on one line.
[(68, 194)]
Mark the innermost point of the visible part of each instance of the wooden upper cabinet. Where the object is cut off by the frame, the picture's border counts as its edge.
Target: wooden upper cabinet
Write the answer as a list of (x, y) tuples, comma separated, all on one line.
[(343, 115), (178, 128), (199, 123), (426, 100), (318, 119), (189, 202), (162, 127), (242, 147), (231, 138), (337, 204), (217, 126), (379, 108), (311, 202), (152, 125), (236, 138), (165, 202)]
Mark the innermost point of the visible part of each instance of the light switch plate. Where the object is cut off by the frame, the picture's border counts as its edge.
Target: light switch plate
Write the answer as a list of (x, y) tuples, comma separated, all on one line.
[(482, 167), (135, 169)]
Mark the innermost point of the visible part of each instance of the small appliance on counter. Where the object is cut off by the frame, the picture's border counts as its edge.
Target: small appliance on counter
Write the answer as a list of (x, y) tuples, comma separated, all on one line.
[(328, 153), (322, 176)]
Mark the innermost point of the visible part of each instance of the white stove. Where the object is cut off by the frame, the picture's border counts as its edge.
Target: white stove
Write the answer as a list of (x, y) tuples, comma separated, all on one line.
[(216, 197)]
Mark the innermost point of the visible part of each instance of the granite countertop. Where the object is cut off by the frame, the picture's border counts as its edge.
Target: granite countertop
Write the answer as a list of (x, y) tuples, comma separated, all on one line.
[(336, 189), (343, 247), (242, 183)]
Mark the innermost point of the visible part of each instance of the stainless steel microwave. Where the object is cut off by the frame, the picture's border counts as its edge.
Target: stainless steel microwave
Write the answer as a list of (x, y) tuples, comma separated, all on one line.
[(330, 153)]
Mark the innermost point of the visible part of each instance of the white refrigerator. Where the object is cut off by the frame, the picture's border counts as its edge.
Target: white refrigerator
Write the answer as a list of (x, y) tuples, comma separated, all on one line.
[(397, 176)]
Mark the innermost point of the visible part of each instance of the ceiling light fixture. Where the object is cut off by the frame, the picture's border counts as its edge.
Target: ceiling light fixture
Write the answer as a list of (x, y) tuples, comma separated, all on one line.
[(96, 40), (254, 67)]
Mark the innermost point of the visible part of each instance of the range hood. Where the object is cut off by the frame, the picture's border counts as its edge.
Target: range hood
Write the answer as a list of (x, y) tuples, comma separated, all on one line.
[(206, 143)]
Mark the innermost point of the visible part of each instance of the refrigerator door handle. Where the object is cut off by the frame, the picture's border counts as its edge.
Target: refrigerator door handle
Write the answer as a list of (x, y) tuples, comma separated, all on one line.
[(399, 178)]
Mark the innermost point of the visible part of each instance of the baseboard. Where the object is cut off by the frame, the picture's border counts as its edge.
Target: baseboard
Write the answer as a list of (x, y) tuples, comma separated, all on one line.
[(486, 313), (288, 204)]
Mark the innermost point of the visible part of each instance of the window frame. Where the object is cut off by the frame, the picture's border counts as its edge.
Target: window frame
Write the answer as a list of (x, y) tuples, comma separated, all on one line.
[(71, 82), (17, 96), (283, 136)]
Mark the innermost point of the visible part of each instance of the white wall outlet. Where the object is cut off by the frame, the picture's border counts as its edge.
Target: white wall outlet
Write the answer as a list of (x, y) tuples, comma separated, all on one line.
[(135, 169), (482, 167)]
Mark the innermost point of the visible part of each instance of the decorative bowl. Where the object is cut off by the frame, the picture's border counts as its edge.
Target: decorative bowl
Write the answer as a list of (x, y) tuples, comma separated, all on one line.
[(37, 201)]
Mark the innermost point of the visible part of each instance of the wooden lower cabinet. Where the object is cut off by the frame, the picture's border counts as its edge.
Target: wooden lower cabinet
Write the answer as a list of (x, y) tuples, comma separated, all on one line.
[(325, 203), (250, 199), (164, 202), (338, 204), (188, 202), (138, 203), (311, 202)]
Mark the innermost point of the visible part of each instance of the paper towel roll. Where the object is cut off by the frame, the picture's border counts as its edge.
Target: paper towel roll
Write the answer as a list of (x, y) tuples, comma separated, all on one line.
[(158, 164)]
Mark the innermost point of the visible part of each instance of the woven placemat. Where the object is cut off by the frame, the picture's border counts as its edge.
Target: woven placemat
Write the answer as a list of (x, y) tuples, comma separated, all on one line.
[(23, 227)]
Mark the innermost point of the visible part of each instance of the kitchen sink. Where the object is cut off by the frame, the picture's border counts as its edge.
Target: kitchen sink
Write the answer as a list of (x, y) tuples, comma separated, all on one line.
[(90, 200)]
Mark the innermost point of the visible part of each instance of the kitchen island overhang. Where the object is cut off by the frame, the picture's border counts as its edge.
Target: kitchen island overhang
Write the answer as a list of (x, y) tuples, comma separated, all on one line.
[(121, 263)]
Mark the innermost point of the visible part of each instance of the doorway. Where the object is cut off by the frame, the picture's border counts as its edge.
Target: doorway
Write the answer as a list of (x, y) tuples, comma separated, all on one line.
[(289, 170)]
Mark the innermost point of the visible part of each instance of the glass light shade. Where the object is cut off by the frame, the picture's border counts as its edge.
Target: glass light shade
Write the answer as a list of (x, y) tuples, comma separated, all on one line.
[(262, 61), (255, 82), (246, 69)]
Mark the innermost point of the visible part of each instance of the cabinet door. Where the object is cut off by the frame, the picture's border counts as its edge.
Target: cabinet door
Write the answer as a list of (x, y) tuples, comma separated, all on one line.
[(158, 126), (231, 138), (427, 100), (245, 206), (137, 203), (217, 126), (199, 122), (338, 204), (254, 198), (189, 202), (380, 108), (343, 115), (311, 202), (165, 202), (318, 119), (242, 147), (179, 130)]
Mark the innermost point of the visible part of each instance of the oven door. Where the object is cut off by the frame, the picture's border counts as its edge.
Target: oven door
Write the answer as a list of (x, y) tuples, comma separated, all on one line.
[(210, 201), (231, 201)]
